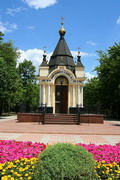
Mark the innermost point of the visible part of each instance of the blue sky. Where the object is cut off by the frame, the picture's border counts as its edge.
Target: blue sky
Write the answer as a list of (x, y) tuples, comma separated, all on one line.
[(32, 24)]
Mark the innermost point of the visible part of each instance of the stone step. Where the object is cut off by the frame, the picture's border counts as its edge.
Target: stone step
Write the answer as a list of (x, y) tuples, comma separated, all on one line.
[(60, 119), (63, 118), (56, 122), (60, 114)]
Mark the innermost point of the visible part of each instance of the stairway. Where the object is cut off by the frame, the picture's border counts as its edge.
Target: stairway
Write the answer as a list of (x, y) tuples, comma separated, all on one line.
[(60, 119)]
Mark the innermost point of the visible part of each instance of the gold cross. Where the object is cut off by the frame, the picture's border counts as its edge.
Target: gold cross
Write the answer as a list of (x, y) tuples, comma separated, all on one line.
[(62, 19), (78, 51)]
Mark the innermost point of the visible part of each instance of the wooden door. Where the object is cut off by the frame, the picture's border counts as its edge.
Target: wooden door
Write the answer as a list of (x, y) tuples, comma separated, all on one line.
[(64, 99), (57, 99), (61, 99)]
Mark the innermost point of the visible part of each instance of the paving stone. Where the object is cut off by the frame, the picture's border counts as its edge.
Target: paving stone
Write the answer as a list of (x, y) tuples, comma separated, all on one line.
[(107, 133)]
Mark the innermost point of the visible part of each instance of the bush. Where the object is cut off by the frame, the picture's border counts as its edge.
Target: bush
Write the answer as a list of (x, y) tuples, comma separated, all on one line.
[(64, 161)]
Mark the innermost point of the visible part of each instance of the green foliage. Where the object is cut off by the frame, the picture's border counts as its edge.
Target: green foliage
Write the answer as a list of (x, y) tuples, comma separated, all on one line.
[(105, 89), (16, 85), (91, 92), (10, 82), (109, 77), (64, 161), (26, 70), (1, 36)]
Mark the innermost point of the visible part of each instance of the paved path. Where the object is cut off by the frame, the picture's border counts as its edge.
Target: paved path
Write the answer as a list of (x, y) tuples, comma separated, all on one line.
[(7, 118), (107, 133)]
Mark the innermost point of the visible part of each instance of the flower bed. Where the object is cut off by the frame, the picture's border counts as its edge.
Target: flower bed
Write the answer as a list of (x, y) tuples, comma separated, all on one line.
[(108, 171), (107, 153), (13, 150), (17, 159), (18, 169)]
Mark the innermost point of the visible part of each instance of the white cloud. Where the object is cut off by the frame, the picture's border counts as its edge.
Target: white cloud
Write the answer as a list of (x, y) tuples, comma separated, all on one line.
[(31, 27), (36, 56), (89, 76), (40, 3), (118, 20), (13, 26), (12, 11), (91, 43), (83, 54), (7, 27)]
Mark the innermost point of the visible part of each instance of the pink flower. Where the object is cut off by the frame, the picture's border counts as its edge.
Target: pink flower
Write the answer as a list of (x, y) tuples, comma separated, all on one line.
[(13, 150), (108, 153)]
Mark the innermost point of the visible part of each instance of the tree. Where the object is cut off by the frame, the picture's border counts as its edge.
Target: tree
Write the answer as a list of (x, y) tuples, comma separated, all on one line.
[(1, 36), (91, 92), (109, 78), (27, 71), (92, 96), (105, 88), (10, 82)]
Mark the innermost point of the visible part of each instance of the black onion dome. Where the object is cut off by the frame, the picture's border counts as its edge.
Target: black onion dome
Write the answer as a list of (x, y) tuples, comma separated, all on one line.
[(79, 63), (44, 62)]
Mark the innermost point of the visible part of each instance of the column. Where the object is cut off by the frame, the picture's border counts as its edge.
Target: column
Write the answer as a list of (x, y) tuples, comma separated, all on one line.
[(49, 98), (43, 93), (73, 98), (69, 96), (40, 95), (53, 98), (79, 95)]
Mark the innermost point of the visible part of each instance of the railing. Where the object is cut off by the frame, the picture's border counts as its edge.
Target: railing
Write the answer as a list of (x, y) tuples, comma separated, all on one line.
[(42, 110), (78, 114)]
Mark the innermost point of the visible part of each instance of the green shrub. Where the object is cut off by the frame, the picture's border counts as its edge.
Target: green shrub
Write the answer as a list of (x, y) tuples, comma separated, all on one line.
[(64, 161)]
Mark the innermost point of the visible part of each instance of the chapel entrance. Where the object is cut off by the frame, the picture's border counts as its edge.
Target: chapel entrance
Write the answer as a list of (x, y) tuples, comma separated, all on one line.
[(61, 95)]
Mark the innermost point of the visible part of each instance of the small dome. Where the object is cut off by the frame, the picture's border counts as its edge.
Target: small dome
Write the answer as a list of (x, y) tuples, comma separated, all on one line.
[(62, 31)]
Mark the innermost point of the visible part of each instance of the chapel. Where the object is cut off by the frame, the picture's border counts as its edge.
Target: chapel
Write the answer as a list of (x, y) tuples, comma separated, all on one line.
[(61, 80)]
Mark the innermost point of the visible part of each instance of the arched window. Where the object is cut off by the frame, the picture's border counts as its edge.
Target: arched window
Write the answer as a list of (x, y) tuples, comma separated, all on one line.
[(61, 80)]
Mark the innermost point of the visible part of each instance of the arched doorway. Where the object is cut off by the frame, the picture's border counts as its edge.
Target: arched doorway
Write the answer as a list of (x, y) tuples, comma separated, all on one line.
[(61, 95)]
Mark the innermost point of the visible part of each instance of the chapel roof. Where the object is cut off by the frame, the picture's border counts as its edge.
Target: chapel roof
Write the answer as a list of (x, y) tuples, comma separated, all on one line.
[(44, 62), (62, 55), (79, 63)]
